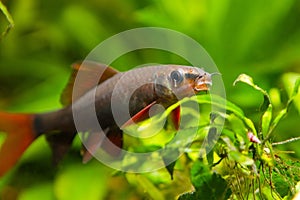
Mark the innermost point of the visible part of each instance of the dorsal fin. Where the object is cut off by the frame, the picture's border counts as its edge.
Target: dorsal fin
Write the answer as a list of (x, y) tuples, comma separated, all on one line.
[(90, 72)]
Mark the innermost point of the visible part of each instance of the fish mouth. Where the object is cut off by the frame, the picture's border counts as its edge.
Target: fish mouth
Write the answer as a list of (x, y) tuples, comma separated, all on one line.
[(203, 87), (203, 82)]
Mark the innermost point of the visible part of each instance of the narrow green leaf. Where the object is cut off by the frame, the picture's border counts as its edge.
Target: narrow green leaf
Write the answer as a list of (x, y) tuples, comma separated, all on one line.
[(227, 105), (291, 82), (240, 158), (295, 95), (250, 124), (284, 111), (269, 193), (266, 120), (274, 123), (296, 87), (8, 18), (280, 115), (148, 186), (229, 133), (275, 96), (229, 143), (208, 99), (235, 155), (6, 13), (216, 101), (211, 140)]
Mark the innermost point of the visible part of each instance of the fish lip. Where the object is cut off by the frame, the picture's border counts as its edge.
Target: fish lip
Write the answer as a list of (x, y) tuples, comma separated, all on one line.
[(203, 83), (203, 87)]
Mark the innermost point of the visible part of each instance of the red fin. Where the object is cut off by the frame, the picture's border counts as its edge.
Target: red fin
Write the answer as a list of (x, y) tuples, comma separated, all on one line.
[(140, 116), (20, 134), (95, 141), (89, 71), (175, 117)]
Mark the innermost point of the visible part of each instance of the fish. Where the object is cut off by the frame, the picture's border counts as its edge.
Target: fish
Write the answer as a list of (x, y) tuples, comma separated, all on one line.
[(143, 88)]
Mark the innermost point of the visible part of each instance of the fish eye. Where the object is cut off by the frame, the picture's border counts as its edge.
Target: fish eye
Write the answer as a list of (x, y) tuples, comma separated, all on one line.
[(176, 76)]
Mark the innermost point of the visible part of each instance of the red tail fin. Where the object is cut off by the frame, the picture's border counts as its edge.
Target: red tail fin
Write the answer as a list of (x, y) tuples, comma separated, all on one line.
[(20, 134)]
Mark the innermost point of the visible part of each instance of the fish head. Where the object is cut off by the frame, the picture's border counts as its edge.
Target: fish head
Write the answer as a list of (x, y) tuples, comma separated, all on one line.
[(182, 81)]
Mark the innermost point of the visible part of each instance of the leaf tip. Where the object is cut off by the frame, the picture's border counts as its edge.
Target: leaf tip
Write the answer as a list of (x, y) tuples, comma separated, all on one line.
[(243, 78)]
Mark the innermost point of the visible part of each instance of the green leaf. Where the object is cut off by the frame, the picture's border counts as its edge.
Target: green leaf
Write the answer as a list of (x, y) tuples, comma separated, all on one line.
[(8, 18), (144, 184), (237, 126), (266, 120), (295, 97), (275, 97), (235, 155), (277, 119), (211, 140), (200, 174), (294, 94), (244, 78), (189, 196), (296, 87), (280, 184), (148, 186), (208, 185), (274, 123), (216, 189), (226, 105), (269, 194), (240, 158), (170, 163), (291, 82), (284, 111)]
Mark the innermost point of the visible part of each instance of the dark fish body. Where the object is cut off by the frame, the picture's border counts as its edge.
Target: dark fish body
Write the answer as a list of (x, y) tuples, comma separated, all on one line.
[(131, 94)]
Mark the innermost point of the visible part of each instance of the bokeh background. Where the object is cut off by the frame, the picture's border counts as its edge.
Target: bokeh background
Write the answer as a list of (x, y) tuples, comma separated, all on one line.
[(260, 38)]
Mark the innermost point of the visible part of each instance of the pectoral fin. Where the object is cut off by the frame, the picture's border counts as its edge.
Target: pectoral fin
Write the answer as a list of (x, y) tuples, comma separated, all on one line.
[(144, 114), (89, 75), (140, 116)]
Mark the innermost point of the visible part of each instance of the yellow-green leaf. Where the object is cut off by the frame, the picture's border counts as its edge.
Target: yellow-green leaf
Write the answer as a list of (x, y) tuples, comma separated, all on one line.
[(266, 120), (8, 18)]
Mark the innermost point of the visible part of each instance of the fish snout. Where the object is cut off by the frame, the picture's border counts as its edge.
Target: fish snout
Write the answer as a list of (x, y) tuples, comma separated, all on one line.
[(203, 82)]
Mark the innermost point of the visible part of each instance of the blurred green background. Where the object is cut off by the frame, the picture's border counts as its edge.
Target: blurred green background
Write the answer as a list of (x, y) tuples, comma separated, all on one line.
[(260, 38)]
